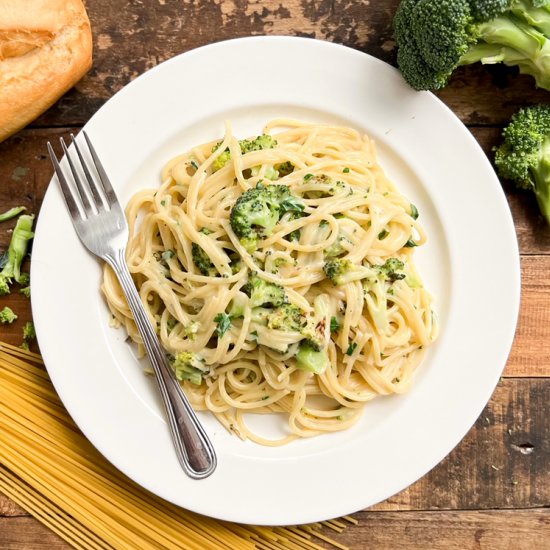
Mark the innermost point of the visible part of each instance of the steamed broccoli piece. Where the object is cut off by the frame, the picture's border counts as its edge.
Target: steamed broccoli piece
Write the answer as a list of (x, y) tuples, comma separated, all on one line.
[(7, 316), (524, 156), (344, 271), (262, 293), (11, 213), (284, 169), (247, 146), (202, 261), (189, 366), (26, 291), (257, 211), (391, 270), (311, 359), (434, 37), (287, 317), (17, 250)]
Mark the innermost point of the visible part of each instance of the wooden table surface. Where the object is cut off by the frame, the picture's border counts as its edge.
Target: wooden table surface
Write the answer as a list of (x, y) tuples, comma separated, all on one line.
[(493, 490)]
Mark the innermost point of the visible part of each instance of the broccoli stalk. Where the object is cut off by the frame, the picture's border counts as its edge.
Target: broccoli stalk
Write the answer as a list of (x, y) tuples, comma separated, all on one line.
[(17, 250), (258, 210), (311, 359), (524, 156), (11, 213), (434, 37)]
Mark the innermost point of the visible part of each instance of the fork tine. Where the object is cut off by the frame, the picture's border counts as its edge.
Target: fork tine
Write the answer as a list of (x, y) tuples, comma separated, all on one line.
[(85, 201), (70, 200), (107, 187), (92, 182)]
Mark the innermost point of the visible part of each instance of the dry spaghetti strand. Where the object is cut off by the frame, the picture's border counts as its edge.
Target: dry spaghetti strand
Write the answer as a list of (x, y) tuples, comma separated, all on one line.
[(52, 471)]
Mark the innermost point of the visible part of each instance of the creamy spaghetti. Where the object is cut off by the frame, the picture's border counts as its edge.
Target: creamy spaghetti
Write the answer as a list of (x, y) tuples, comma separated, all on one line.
[(279, 274)]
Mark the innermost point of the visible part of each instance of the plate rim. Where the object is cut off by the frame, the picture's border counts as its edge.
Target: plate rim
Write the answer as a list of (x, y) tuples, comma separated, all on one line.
[(38, 308)]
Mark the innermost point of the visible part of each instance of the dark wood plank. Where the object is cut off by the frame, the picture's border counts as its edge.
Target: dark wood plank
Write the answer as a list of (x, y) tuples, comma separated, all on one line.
[(501, 463), (24, 533), (487, 530), (130, 40), (491, 530)]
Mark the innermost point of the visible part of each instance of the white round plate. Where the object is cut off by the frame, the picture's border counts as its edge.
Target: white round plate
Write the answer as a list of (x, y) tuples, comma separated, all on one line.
[(433, 160)]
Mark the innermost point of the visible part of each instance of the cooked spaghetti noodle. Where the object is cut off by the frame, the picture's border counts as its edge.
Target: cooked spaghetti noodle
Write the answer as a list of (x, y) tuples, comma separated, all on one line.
[(279, 274)]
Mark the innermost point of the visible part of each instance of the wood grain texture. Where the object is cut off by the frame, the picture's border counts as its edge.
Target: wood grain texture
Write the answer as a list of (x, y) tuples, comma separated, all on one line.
[(490, 530), (25, 533), (130, 40)]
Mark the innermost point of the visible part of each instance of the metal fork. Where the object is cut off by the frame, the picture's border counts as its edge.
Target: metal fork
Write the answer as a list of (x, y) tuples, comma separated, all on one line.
[(100, 224)]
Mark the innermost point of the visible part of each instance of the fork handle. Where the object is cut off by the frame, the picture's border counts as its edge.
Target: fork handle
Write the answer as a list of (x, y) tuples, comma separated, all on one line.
[(193, 448)]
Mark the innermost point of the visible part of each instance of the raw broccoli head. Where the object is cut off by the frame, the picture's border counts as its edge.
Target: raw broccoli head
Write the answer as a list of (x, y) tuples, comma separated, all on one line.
[(262, 293), (257, 211), (524, 155), (287, 317), (434, 37)]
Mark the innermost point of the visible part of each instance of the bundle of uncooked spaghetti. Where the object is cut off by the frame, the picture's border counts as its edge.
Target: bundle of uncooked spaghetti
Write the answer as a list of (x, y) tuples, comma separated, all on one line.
[(50, 469)]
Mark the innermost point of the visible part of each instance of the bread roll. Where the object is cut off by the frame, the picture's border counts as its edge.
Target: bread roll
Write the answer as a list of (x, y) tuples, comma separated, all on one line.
[(45, 48)]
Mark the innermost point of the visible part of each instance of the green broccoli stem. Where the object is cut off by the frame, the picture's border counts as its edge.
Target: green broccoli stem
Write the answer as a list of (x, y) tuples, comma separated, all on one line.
[(542, 180), (510, 41)]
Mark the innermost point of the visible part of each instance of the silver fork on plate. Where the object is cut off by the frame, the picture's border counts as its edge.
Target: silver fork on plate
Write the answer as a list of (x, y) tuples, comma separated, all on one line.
[(100, 224)]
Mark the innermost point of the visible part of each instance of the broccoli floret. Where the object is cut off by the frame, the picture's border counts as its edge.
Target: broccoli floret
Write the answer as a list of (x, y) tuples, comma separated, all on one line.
[(7, 316), (247, 146), (257, 211), (4, 286), (28, 331), (257, 144), (285, 168), (189, 366), (202, 261), (191, 330), (391, 269), (17, 250), (434, 37), (524, 156), (26, 291), (11, 213), (262, 293), (287, 317), (342, 271), (311, 359)]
